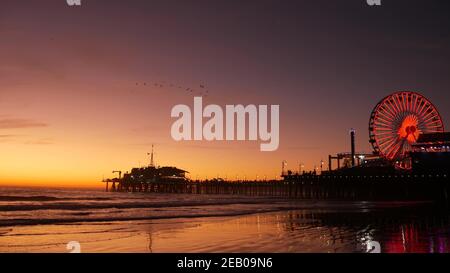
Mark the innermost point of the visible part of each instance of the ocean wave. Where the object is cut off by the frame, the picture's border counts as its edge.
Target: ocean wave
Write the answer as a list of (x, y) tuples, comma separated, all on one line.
[(24, 207), (23, 222), (128, 205), (43, 198)]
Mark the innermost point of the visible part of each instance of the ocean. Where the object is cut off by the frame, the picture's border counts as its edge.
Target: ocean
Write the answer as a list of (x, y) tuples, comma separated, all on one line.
[(47, 220)]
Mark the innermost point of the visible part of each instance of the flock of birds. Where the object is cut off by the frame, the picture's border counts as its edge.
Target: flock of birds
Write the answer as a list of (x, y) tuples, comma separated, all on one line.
[(201, 90)]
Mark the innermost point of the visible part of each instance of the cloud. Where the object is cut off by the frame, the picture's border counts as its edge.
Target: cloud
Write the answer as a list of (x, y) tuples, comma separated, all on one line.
[(10, 138), (22, 139), (16, 123), (42, 141), (7, 138), (19, 123)]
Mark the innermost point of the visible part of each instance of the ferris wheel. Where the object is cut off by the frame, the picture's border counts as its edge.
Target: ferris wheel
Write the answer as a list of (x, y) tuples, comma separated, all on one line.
[(397, 122)]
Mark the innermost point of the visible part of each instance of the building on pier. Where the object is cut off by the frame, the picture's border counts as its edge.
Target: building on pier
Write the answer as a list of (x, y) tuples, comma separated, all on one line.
[(431, 153), (153, 174)]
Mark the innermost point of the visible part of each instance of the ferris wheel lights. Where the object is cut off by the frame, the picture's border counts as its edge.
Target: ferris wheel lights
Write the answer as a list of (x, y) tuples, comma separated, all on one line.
[(397, 122)]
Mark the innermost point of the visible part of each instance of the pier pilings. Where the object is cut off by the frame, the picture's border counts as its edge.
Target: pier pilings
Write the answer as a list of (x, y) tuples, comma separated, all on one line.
[(393, 187)]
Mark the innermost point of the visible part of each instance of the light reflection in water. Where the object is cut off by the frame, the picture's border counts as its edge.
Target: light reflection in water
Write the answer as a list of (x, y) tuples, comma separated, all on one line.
[(397, 230), (306, 231)]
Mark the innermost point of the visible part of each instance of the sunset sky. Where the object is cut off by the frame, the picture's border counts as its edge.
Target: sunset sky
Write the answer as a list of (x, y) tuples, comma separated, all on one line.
[(77, 84)]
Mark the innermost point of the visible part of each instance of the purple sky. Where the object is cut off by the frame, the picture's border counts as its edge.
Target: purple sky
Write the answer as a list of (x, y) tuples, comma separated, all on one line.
[(68, 77)]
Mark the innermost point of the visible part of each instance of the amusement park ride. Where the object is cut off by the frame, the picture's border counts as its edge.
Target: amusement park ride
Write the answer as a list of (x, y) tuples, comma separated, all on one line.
[(406, 131)]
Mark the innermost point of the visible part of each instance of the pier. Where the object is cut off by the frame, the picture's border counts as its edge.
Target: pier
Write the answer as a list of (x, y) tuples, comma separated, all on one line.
[(318, 187), (410, 161)]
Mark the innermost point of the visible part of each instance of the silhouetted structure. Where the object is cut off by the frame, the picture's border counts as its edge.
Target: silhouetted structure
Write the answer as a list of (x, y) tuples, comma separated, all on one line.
[(418, 170), (141, 177), (352, 144), (431, 154)]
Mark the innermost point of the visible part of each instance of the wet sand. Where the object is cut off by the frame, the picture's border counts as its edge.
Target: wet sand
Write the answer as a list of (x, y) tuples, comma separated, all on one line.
[(284, 231), (250, 233), (45, 220)]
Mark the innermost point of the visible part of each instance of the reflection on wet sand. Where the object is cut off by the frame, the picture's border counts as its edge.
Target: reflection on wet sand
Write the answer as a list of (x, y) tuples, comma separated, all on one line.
[(399, 230)]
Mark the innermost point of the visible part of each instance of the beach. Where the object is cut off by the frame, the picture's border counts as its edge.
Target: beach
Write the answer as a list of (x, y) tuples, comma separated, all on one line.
[(46, 220)]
